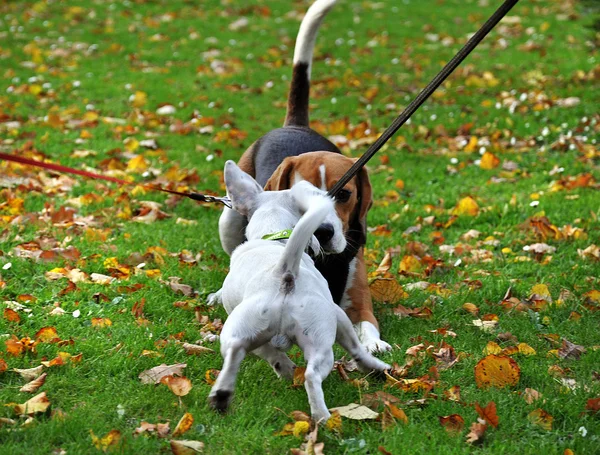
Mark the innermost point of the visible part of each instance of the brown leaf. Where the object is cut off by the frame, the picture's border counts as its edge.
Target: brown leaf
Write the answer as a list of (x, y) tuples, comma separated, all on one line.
[(471, 308), (453, 393), (11, 315), (477, 430), (570, 350), (195, 349), (593, 405), (185, 423), (186, 447), (35, 405), (453, 424), (497, 371), (161, 429), (541, 418), (154, 375), (445, 357), (3, 365), (138, 308), (488, 413), (298, 380), (531, 395), (180, 386), (387, 290), (32, 386), (184, 289)]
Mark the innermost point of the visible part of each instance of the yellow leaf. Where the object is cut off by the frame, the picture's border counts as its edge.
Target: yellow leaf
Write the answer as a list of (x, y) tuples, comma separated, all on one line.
[(138, 99), (137, 164), (497, 371), (131, 144), (180, 386), (541, 418), (109, 442), (466, 206), (492, 348), (110, 263), (472, 145), (335, 422), (410, 264), (35, 405), (541, 289), (184, 424), (387, 290), (300, 428), (489, 161), (35, 89), (525, 349)]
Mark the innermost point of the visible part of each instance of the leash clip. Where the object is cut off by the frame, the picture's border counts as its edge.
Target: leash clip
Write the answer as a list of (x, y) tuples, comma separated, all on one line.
[(211, 199)]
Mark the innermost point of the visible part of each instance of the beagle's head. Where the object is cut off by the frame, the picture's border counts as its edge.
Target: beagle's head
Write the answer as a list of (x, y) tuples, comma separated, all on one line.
[(323, 170)]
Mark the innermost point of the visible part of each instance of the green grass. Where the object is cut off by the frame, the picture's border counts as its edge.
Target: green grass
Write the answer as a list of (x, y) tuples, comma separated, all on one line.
[(165, 50)]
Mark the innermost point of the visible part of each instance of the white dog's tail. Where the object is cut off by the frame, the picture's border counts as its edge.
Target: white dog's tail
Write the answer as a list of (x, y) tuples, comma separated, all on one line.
[(318, 206), (297, 109)]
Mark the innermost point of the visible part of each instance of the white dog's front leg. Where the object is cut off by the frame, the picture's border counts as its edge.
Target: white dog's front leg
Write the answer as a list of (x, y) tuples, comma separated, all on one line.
[(370, 338), (216, 298), (232, 229)]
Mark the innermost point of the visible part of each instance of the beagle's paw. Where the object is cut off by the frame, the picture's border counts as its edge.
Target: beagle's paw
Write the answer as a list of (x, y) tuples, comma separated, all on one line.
[(369, 337), (216, 298)]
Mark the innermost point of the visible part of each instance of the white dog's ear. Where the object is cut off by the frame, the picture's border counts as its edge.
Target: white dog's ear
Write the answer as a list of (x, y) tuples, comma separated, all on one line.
[(241, 188)]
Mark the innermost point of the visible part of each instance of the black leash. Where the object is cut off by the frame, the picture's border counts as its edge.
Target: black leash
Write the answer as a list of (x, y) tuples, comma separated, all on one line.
[(425, 93)]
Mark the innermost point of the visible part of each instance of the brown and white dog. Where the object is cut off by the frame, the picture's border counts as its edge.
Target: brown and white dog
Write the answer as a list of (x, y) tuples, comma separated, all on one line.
[(295, 152)]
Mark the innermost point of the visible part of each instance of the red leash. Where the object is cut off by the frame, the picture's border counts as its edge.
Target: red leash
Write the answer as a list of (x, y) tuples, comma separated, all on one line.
[(67, 170)]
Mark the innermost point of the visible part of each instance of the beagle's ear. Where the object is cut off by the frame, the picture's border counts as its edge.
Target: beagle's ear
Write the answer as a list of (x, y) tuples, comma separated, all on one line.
[(365, 201), (282, 177), (241, 188)]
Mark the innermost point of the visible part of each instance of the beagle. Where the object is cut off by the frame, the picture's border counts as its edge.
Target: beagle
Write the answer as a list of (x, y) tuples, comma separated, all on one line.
[(287, 155), (275, 296)]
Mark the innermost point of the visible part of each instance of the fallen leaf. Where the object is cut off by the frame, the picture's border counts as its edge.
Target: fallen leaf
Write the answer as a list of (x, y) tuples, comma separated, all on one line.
[(180, 386), (211, 376), (525, 349), (453, 393), (570, 350), (531, 395), (387, 290), (466, 206), (453, 424), (195, 349), (477, 430), (161, 429), (471, 308), (30, 374), (32, 386), (298, 380), (3, 365), (185, 423), (35, 405), (497, 371), (593, 405), (11, 315), (47, 335), (186, 447), (541, 418), (154, 375), (489, 161), (355, 411), (492, 348), (334, 423), (107, 443), (488, 413)]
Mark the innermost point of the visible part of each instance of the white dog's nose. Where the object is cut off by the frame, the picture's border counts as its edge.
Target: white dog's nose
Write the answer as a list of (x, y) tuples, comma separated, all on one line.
[(324, 233)]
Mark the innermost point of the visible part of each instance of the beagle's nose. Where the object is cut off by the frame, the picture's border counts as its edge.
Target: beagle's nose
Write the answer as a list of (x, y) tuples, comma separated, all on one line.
[(325, 233)]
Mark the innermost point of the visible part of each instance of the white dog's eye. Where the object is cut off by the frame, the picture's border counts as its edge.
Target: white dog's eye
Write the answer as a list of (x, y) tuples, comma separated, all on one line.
[(343, 196)]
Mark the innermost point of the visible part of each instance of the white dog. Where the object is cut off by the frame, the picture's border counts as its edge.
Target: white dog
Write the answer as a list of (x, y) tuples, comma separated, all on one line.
[(274, 294)]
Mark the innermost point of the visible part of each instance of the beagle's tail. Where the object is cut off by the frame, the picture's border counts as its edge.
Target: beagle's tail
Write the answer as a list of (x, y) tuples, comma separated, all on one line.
[(297, 108), (316, 207)]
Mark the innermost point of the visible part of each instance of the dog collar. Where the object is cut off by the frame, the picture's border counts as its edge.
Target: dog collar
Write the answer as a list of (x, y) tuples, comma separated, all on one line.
[(279, 235)]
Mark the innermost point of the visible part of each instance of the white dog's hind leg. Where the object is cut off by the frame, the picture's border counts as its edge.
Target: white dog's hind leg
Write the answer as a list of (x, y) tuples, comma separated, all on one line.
[(319, 364), (348, 339), (281, 363), (233, 351)]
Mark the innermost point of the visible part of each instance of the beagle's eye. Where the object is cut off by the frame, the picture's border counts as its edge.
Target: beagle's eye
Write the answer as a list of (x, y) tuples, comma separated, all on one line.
[(343, 196)]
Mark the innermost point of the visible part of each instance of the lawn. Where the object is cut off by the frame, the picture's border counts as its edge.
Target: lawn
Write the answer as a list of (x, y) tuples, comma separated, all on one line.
[(485, 221)]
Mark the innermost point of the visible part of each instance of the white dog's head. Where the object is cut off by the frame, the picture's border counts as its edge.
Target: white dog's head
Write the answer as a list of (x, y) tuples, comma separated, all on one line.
[(273, 211)]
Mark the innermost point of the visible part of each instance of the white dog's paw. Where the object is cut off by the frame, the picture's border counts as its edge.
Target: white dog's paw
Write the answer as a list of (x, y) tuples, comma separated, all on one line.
[(369, 337), (216, 298)]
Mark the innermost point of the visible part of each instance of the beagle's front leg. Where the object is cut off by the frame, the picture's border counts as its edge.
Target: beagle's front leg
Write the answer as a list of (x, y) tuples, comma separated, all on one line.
[(360, 310)]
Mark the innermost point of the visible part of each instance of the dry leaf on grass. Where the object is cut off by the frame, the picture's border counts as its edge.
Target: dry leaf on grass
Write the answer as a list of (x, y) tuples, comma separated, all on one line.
[(488, 413), (497, 371), (531, 395), (570, 350), (186, 447), (32, 386), (154, 375), (35, 405), (180, 386), (541, 418), (185, 423), (161, 429), (355, 411), (387, 290), (195, 349), (30, 374), (107, 443), (453, 424), (476, 432)]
